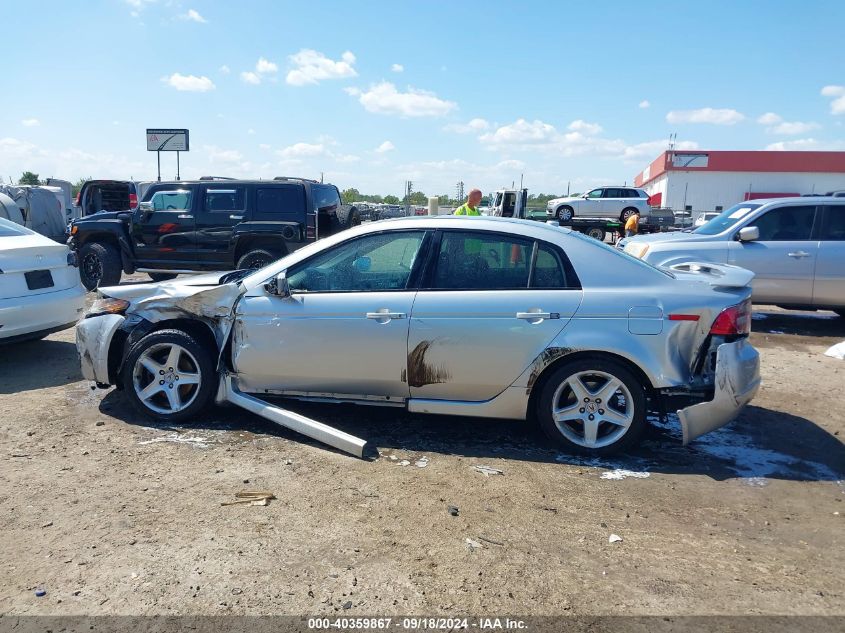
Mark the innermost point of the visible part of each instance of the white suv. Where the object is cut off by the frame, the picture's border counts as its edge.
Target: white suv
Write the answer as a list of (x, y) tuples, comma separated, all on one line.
[(615, 203)]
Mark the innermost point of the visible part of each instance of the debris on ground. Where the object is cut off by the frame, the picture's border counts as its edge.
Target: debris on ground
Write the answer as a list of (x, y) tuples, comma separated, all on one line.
[(837, 351), (40, 592), (489, 540), (473, 544), (453, 510), (488, 470), (614, 538), (621, 473), (251, 497), (422, 462), (404, 462)]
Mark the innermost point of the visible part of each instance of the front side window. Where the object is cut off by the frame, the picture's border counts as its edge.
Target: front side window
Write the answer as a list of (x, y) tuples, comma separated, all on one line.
[(225, 199), (786, 224), (371, 263), (595, 193), (171, 200)]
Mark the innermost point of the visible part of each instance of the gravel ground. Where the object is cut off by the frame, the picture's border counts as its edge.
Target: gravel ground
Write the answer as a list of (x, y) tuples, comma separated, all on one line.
[(113, 515)]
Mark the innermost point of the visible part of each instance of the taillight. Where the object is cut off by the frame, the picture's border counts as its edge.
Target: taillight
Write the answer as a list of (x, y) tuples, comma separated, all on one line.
[(79, 198), (133, 200), (733, 321)]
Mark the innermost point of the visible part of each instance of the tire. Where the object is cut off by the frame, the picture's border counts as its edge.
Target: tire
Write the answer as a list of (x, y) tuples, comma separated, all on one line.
[(256, 258), (349, 219), (596, 233), (565, 214), (162, 276), (591, 376), (627, 213), (147, 370), (99, 265)]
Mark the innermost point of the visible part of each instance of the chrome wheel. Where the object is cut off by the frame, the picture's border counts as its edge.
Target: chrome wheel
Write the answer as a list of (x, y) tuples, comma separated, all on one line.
[(592, 408), (166, 378), (564, 214)]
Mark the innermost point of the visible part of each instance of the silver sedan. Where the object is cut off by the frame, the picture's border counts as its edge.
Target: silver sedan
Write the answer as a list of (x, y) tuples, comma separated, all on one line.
[(487, 317)]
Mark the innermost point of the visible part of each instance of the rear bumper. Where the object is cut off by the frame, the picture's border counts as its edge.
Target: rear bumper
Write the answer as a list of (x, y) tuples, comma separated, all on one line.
[(737, 382), (50, 311)]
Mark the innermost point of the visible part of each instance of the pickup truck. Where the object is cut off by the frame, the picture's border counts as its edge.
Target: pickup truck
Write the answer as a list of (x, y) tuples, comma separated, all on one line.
[(204, 225)]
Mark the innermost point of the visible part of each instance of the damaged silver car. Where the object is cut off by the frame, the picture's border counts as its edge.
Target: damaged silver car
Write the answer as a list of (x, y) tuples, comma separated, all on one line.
[(486, 317)]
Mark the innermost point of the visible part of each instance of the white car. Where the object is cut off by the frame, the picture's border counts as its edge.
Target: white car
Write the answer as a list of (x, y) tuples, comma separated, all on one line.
[(614, 203), (40, 292), (704, 218)]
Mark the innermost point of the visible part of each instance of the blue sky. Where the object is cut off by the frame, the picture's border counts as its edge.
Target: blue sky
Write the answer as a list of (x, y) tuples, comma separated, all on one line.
[(374, 93)]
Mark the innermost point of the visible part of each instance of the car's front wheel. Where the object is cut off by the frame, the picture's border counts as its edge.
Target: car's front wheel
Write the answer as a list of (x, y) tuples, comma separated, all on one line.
[(565, 214), (256, 258), (593, 406), (99, 265), (169, 376), (627, 213)]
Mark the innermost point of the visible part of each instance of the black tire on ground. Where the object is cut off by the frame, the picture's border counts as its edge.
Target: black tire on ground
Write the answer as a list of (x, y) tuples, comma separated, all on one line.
[(565, 214), (256, 258), (349, 219), (162, 276), (596, 233), (627, 213), (99, 265), (202, 358), (636, 409)]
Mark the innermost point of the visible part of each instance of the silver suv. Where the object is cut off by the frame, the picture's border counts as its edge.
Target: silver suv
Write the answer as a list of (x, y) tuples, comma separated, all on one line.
[(615, 203), (795, 247)]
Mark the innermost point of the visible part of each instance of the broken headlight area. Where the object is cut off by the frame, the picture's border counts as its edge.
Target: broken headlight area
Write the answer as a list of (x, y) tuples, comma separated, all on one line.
[(107, 305)]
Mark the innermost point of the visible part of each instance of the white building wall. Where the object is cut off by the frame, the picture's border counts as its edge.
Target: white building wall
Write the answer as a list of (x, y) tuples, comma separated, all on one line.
[(705, 190)]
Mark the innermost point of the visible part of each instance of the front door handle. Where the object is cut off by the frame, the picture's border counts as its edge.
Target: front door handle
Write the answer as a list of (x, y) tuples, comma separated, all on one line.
[(799, 254), (384, 315), (185, 216), (537, 316)]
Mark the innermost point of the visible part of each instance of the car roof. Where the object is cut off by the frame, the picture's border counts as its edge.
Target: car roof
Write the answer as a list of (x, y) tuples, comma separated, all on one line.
[(800, 200), (235, 181), (486, 222)]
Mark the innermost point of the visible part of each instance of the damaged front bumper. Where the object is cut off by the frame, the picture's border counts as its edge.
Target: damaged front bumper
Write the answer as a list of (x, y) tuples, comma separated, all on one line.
[(737, 382), (93, 341)]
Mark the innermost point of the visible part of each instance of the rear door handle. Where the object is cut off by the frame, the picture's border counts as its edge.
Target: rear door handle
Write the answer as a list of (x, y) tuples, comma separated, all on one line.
[(384, 315), (537, 316), (799, 254), (236, 217)]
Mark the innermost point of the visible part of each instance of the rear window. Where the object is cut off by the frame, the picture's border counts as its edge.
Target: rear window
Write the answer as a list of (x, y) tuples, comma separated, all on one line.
[(10, 229), (106, 196)]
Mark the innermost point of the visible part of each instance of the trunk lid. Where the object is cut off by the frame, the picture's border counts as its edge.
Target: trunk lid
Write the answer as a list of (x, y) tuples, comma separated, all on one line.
[(23, 262)]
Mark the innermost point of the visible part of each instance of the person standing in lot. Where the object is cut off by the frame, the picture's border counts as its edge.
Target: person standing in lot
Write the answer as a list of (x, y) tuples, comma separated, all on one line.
[(470, 207), (632, 224)]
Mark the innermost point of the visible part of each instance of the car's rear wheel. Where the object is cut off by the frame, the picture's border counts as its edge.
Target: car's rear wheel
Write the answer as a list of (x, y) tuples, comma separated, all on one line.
[(256, 258), (162, 276), (565, 214), (169, 376), (627, 213), (594, 406), (349, 219), (99, 265)]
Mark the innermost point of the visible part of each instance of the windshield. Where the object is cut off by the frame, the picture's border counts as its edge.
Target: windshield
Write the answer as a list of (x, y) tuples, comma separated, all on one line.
[(726, 219)]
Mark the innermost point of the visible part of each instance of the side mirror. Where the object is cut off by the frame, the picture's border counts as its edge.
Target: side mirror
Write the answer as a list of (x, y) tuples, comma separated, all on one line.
[(278, 286), (748, 234), (145, 208)]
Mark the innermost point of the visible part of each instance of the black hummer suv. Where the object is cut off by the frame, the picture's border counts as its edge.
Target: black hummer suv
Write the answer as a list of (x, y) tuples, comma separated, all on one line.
[(207, 224)]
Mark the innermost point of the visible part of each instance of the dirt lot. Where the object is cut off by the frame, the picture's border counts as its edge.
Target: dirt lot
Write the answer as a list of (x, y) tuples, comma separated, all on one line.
[(112, 515)]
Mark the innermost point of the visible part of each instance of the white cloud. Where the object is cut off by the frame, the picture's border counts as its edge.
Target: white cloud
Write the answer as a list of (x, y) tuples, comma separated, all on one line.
[(193, 16), (310, 67), (837, 106), (397, 68), (265, 66), (189, 83), (651, 149), (522, 132), (770, 118), (584, 127), (387, 146), (645, 104), (346, 158), (301, 150), (806, 144), (263, 146), (218, 155), (249, 77), (474, 125), (715, 116), (384, 98), (224, 69), (31, 122)]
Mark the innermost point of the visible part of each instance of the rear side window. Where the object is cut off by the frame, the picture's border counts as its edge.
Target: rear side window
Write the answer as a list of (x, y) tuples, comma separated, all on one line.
[(480, 261), (326, 196), (225, 199), (280, 202), (834, 224), (786, 224), (548, 269)]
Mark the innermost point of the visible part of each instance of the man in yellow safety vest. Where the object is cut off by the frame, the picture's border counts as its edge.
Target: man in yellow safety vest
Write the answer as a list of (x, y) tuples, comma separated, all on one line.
[(470, 207)]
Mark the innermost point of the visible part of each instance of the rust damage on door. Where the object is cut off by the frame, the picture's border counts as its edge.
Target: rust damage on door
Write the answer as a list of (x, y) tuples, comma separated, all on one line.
[(421, 373)]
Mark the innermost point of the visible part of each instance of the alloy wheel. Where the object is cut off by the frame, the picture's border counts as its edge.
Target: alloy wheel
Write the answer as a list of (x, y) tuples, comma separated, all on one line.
[(166, 378)]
